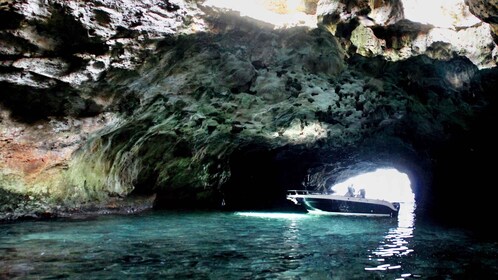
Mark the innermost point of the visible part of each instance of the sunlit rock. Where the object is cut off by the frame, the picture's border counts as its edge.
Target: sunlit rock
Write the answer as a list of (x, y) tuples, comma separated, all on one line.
[(197, 106), (439, 13), (485, 10), (399, 29), (368, 12), (366, 42), (279, 13), (50, 51)]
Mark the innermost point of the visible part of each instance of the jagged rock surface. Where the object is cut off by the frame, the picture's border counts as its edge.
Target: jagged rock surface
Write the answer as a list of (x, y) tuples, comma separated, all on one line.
[(400, 29), (51, 52), (196, 106), (486, 11)]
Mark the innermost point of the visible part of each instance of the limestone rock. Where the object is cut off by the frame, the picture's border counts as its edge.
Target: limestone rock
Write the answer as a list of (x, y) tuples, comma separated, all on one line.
[(487, 11), (197, 106), (366, 42), (400, 29)]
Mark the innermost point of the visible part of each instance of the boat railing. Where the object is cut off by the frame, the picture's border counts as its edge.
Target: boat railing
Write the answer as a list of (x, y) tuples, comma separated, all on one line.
[(300, 192)]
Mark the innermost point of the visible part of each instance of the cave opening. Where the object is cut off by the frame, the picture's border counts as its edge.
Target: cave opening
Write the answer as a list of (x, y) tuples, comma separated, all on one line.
[(260, 177), (384, 183)]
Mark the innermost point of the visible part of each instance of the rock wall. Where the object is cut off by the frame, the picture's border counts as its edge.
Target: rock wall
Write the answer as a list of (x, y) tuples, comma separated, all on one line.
[(196, 105), (400, 29), (53, 55), (487, 11)]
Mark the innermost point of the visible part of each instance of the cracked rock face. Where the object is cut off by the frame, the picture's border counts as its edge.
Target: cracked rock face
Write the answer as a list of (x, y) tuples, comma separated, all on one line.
[(193, 105), (486, 11), (51, 53), (75, 42), (400, 29)]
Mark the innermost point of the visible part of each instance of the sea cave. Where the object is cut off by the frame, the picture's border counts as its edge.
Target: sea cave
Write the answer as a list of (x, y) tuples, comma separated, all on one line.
[(129, 109)]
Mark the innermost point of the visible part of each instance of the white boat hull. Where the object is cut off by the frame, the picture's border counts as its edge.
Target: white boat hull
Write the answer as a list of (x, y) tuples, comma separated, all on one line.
[(326, 204)]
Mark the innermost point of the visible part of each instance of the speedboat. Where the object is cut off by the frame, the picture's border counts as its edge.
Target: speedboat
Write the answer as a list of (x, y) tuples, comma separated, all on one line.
[(331, 204)]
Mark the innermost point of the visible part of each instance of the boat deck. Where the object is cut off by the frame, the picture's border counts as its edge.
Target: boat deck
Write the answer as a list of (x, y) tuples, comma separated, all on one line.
[(340, 204)]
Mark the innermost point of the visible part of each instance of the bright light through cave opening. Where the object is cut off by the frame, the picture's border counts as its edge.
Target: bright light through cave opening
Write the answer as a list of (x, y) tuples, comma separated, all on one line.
[(387, 184), (280, 13)]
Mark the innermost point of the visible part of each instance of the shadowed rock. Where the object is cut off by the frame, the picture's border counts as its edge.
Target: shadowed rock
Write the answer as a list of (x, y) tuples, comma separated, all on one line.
[(199, 119)]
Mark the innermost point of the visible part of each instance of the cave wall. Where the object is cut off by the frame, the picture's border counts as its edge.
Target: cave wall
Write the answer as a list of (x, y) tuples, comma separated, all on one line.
[(200, 106), (400, 29), (486, 11), (53, 57)]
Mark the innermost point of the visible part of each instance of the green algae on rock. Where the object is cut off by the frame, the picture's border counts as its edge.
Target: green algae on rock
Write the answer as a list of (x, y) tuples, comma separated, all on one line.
[(216, 106)]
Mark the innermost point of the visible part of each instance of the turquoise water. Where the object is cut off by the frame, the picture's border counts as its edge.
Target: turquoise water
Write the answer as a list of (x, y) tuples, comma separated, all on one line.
[(242, 245)]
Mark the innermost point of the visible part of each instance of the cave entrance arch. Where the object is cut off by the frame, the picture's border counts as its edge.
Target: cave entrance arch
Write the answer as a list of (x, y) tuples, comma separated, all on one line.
[(387, 183), (383, 183)]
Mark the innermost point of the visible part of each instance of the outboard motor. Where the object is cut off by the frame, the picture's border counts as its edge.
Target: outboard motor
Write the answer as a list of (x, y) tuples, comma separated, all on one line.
[(397, 206)]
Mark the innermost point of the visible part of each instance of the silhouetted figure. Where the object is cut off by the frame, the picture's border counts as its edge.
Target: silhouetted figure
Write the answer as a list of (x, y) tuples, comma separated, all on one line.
[(350, 192), (362, 193)]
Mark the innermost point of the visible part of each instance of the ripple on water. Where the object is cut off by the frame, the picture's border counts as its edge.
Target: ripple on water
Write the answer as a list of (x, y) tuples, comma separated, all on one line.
[(239, 246)]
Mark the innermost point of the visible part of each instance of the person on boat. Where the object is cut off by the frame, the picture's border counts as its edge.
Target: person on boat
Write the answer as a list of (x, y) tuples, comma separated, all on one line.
[(350, 192), (362, 193)]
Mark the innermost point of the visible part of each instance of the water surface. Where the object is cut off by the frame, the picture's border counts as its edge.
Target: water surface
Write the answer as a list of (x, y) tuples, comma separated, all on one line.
[(242, 245)]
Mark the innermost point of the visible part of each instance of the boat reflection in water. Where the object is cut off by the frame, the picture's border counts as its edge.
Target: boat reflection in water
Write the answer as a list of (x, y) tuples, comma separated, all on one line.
[(391, 250), (395, 244)]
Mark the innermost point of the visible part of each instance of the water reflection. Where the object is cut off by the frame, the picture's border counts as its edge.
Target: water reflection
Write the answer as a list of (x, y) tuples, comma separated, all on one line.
[(202, 245), (291, 236), (272, 215), (396, 243)]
